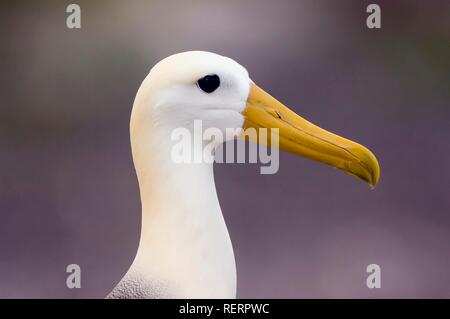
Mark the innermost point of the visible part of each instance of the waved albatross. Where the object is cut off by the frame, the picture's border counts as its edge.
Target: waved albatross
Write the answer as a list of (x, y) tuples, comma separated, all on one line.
[(185, 250)]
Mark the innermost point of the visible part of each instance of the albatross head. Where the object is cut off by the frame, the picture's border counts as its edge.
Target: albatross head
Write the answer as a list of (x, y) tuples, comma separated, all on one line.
[(185, 250), (218, 91)]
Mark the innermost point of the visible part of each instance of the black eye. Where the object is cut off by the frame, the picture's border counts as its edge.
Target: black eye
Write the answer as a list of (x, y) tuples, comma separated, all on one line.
[(209, 83)]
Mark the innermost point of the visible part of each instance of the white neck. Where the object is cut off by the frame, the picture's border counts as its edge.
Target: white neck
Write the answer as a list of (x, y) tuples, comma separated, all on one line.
[(184, 243)]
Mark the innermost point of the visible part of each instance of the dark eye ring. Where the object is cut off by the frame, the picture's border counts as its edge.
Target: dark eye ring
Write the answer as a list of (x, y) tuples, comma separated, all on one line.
[(209, 83)]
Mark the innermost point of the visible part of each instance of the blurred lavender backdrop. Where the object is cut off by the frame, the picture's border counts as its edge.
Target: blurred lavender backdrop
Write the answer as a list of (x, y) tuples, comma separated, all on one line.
[(68, 192)]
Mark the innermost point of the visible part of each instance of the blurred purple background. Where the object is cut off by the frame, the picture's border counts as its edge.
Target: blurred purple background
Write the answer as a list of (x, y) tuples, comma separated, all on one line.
[(68, 191)]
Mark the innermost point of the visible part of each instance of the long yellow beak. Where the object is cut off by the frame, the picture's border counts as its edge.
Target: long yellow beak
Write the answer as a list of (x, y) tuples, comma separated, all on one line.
[(298, 136)]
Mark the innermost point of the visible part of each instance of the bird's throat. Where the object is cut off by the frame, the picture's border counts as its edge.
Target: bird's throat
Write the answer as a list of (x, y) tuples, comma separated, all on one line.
[(184, 240)]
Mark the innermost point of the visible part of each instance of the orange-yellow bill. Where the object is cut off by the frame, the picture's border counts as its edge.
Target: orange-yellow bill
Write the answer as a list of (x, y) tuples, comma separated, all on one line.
[(300, 137)]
